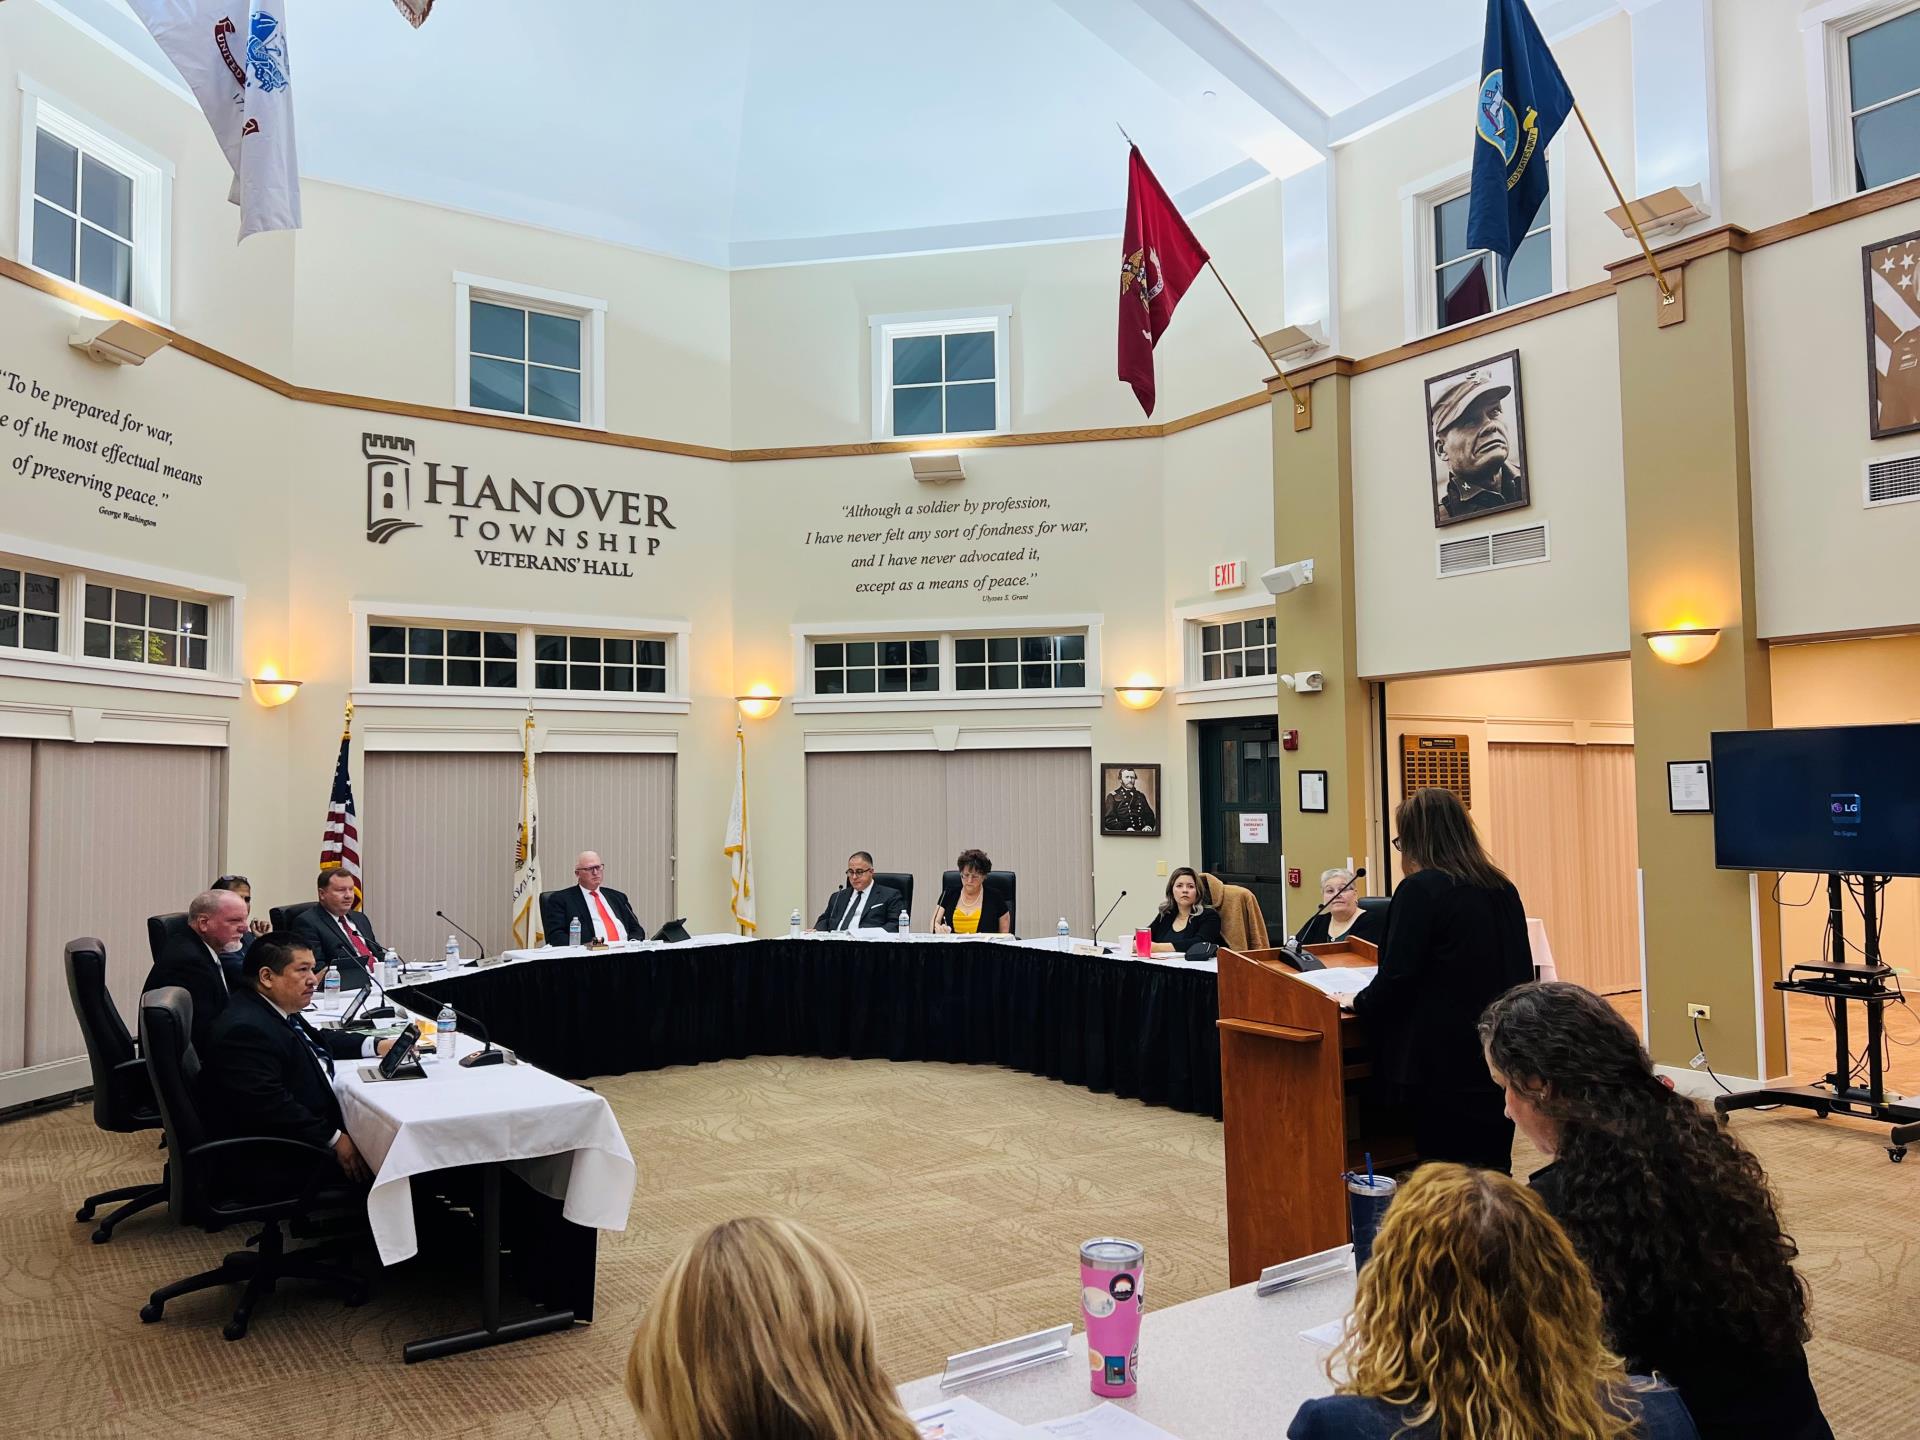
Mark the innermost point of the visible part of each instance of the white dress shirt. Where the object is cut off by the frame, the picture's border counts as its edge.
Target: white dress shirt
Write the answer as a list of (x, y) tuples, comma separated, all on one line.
[(599, 926), (218, 968), (856, 907)]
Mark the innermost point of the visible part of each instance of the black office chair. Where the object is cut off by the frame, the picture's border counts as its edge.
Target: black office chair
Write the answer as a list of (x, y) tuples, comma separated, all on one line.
[(897, 880), (1375, 902), (163, 928), (284, 1179), (122, 1096), (282, 916), (1001, 882)]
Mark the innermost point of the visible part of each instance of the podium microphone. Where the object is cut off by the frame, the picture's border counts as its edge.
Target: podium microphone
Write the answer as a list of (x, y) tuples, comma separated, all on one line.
[(463, 930), (1106, 917)]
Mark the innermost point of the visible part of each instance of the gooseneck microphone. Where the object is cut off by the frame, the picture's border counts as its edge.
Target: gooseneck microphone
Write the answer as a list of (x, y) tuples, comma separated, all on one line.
[(1295, 950), (1106, 917), (463, 930), (488, 1056)]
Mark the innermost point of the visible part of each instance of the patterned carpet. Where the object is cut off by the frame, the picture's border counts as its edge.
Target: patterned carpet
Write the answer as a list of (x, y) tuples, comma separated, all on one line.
[(958, 1193)]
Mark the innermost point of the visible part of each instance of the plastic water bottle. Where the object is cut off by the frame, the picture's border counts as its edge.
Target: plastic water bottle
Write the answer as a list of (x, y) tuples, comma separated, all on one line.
[(1064, 931), (332, 983), (573, 932), (793, 923), (453, 951), (446, 1026), (906, 922), (389, 967)]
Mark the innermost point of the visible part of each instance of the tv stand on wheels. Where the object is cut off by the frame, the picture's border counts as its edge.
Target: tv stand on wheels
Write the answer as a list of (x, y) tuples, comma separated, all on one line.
[(1841, 983)]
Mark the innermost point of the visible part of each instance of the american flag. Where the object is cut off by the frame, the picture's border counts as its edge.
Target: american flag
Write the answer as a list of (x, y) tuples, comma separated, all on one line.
[(1894, 288), (340, 841)]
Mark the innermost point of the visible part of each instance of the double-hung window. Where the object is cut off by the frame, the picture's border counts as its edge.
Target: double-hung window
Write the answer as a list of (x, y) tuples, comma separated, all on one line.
[(1469, 282), (1882, 98), (525, 351), (942, 374)]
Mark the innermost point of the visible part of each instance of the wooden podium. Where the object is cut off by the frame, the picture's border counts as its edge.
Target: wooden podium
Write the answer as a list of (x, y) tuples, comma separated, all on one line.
[(1292, 1068)]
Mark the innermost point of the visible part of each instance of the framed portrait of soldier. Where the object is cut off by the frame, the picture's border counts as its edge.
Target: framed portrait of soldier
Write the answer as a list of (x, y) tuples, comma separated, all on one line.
[(1129, 799), (1892, 278), (1476, 442)]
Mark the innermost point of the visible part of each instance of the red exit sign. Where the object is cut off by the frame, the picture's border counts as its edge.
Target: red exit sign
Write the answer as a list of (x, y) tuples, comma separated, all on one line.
[(1229, 575)]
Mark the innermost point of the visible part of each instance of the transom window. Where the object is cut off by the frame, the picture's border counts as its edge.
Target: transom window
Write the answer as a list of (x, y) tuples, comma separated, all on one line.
[(1883, 100), (1468, 282), (453, 656), (1020, 662), (876, 667), (82, 218), (145, 628), (1237, 649), (524, 361), (29, 610), (622, 664)]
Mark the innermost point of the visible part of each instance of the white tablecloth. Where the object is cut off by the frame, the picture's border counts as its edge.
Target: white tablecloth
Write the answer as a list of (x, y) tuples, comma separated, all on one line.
[(563, 1140), (1223, 1367)]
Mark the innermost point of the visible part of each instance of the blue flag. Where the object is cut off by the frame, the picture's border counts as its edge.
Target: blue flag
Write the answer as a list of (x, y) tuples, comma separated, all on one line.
[(1523, 102)]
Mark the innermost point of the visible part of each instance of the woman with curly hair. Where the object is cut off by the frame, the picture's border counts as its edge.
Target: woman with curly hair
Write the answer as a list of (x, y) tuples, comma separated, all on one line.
[(760, 1332), (1474, 1320), (1670, 1212)]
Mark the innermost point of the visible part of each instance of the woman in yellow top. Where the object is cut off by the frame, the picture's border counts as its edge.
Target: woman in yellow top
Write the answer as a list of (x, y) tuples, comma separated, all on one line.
[(970, 908)]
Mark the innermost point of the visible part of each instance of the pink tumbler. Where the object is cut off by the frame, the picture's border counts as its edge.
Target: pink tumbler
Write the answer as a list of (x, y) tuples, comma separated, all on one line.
[(1112, 1296), (1143, 943)]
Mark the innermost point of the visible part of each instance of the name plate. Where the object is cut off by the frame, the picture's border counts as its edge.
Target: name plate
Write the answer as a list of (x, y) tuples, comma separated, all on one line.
[(990, 1362), (1305, 1271)]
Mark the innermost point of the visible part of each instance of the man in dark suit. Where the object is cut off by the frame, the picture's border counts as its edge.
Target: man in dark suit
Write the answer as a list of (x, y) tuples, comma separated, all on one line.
[(265, 1071), (339, 934), (215, 920), (863, 904), (604, 914)]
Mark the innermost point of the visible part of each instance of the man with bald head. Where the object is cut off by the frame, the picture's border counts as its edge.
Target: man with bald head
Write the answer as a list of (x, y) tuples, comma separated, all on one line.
[(605, 916), (215, 920)]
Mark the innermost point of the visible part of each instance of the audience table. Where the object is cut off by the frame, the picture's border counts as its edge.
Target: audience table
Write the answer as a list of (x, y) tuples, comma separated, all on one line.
[(1141, 1029), (1228, 1366)]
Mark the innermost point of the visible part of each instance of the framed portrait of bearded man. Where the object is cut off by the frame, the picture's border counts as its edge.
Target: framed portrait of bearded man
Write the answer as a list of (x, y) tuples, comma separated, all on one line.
[(1476, 441)]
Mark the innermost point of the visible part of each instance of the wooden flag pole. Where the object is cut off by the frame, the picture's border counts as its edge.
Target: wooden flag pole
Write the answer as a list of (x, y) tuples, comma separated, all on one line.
[(1667, 297)]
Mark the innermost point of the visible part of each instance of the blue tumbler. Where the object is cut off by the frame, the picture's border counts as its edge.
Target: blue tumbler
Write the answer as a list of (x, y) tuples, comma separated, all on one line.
[(1367, 1199)]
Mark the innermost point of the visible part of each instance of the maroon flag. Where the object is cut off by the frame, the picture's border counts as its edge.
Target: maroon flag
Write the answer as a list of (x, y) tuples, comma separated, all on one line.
[(1158, 259)]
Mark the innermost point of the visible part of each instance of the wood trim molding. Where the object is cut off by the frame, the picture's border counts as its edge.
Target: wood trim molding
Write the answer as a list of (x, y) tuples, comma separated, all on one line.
[(1620, 272)]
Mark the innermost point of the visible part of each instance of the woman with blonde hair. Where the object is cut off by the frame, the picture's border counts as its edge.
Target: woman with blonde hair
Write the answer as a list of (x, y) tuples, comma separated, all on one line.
[(1475, 1320), (760, 1332)]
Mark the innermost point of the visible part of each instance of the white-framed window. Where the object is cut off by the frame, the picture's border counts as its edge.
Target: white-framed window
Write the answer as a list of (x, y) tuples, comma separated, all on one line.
[(522, 350), (1863, 64), (1229, 650), (408, 654), (1044, 662), (70, 616), (95, 206), (1448, 282), (941, 373)]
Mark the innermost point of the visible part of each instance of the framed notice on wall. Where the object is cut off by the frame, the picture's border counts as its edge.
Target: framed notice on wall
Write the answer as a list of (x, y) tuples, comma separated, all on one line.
[(1313, 792), (1690, 787)]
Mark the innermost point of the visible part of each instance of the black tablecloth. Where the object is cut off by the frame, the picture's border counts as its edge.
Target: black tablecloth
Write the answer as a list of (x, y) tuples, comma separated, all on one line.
[(1140, 1031)]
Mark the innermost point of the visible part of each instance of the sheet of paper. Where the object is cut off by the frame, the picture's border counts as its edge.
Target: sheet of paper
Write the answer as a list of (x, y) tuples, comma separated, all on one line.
[(1327, 1335), (1341, 982), (964, 1419), (1106, 1421), (1253, 827)]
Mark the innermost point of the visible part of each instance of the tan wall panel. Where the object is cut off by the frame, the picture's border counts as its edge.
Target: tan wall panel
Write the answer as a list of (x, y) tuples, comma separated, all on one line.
[(1609, 826), (437, 833), (620, 806), (16, 800), (893, 804), (119, 832), (1032, 812)]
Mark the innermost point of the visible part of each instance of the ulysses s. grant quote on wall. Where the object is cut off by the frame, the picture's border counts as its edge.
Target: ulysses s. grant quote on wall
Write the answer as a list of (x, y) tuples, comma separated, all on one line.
[(993, 549)]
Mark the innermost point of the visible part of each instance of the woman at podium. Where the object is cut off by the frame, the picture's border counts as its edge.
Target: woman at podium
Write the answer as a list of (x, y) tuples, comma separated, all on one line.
[(1457, 942), (1343, 918)]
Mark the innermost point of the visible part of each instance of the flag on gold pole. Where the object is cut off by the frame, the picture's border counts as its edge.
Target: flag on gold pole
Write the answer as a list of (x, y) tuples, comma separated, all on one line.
[(526, 854), (738, 851)]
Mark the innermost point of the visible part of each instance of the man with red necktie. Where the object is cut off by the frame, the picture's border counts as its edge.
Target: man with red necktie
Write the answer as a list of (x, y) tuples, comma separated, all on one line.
[(605, 916), (340, 935)]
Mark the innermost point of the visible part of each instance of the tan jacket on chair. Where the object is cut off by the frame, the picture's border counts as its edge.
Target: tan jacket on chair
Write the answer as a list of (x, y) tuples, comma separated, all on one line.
[(1242, 926)]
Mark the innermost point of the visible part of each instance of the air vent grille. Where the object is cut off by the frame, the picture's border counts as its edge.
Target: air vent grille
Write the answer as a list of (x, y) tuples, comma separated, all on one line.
[(1893, 480), (1496, 551)]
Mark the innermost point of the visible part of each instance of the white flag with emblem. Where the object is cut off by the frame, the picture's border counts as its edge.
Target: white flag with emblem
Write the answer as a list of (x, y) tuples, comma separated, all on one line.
[(526, 855), (233, 55), (739, 851)]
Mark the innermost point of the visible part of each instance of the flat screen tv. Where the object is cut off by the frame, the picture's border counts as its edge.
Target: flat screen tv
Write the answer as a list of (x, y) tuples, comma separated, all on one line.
[(1841, 799)]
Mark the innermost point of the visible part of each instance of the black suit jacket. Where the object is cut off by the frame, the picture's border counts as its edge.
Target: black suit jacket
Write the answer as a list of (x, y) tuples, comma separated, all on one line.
[(257, 1077), (331, 946), (562, 907), (1451, 950), (188, 963), (884, 904), (992, 907)]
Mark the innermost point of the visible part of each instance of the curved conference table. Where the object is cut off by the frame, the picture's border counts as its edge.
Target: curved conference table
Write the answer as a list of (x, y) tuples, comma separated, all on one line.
[(1139, 1029)]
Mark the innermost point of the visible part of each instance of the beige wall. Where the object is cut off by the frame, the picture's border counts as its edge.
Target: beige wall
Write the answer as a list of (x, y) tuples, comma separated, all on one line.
[(1824, 562), (1412, 622), (1760, 91)]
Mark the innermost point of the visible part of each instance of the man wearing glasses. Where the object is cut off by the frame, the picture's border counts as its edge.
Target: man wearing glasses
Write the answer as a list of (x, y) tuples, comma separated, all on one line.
[(863, 904), (605, 916)]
